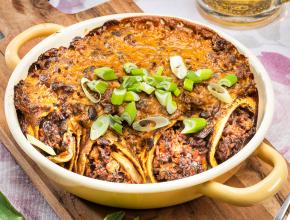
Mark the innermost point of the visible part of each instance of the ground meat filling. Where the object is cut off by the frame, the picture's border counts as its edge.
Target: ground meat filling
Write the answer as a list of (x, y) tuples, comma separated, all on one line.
[(101, 165), (50, 134), (237, 132), (178, 155)]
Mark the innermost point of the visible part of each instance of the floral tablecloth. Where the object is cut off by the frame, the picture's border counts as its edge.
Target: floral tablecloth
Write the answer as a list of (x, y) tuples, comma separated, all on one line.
[(270, 43)]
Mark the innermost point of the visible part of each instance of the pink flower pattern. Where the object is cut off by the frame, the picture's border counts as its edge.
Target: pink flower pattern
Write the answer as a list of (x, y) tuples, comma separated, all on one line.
[(278, 67)]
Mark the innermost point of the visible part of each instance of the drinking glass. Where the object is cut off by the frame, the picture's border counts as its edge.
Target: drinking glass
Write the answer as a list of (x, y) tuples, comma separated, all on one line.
[(241, 12)]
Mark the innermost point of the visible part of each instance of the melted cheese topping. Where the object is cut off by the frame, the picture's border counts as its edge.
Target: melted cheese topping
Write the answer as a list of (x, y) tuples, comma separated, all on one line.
[(51, 97)]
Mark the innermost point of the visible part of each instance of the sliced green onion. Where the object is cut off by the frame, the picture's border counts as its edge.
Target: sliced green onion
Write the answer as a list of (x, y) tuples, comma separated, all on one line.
[(130, 80), (106, 73), (139, 72), (193, 125), (165, 99), (118, 96), (159, 71), (199, 75), (204, 74), (129, 113), (150, 80), (48, 149), (116, 118), (131, 96), (177, 92), (90, 96), (171, 105), (116, 123), (159, 79), (151, 123), (192, 76), (188, 84), (136, 87), (147, 88), (178, 67), (220, 92), (229, 80), (99, 127), (167, 86), (98, 86), (128, 67), (162, 96), (117, 127)]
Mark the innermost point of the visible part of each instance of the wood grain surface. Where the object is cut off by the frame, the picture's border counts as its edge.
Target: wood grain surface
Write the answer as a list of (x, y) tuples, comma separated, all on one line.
[(18, 15)]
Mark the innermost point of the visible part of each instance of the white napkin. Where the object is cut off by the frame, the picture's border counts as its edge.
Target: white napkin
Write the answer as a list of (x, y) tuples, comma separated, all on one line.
[(74, 6)]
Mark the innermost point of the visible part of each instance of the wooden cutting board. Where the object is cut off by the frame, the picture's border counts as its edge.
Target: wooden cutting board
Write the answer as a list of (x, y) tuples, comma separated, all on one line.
[(18, 15)]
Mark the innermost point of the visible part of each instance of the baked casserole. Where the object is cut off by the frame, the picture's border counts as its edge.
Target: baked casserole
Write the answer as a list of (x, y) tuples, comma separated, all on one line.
[(144, 99)]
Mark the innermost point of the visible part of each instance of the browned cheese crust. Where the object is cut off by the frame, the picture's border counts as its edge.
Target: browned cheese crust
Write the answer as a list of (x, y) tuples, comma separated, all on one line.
[(50, 101)]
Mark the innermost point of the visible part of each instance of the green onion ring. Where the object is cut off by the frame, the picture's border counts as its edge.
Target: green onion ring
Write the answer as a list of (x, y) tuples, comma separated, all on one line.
[(116, 118), (91, 97), (220, 92), (188, 84), (228, 80), (161, 96), (129, 113), (139, 72), (171, 105), (99, 127), (204, 74), (131, 96), (150, 123), (147, 88), (159, 71), (98, 86), (192, 76), (106, 73), (150, 80), (118, 96), (117, 127), (177, 92), (136, 87), (159, 79), (129, 81), (193, 125), (178, 67), (167, 86), (128, 67)]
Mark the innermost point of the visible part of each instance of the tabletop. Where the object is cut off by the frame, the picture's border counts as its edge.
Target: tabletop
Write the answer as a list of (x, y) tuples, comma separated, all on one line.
[(270, 43)]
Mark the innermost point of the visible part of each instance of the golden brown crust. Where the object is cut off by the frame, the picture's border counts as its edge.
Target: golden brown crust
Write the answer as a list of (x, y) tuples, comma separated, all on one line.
[(51, 100)]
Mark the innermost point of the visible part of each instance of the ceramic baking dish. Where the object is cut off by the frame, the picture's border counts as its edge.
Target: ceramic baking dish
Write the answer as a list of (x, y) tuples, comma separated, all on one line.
[(208, 183)]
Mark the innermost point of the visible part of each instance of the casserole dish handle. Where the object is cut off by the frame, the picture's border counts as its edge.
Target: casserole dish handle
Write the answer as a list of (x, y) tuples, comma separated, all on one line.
[(256, 193), (41, 30)]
